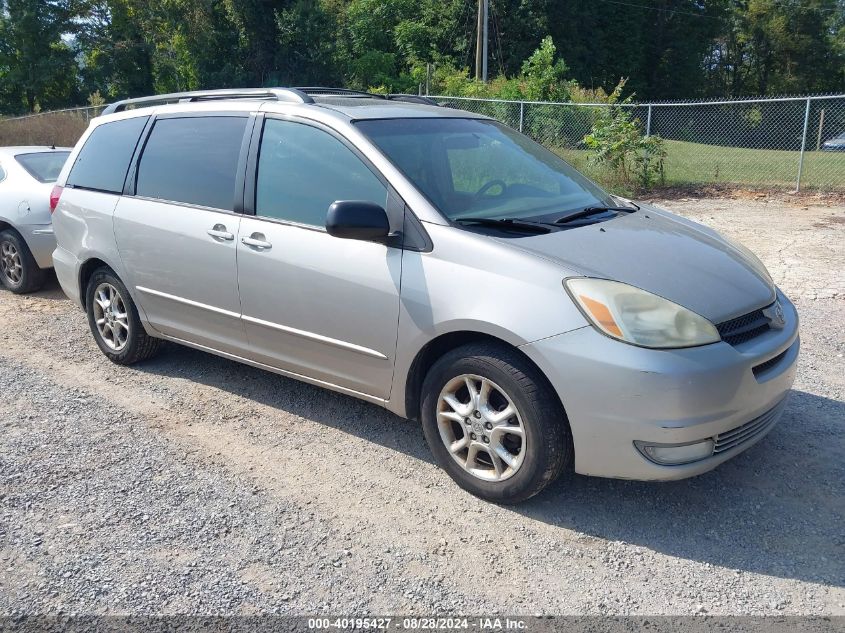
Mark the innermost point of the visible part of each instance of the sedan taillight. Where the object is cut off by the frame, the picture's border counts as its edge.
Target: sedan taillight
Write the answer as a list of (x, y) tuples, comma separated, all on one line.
[(55, 194)]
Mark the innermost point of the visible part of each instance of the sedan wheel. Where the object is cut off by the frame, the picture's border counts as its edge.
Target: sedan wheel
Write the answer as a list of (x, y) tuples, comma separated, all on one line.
[(11, 265), (19, 272)]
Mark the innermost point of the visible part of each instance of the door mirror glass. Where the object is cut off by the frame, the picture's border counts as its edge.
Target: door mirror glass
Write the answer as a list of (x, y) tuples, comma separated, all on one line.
[(357, 220)]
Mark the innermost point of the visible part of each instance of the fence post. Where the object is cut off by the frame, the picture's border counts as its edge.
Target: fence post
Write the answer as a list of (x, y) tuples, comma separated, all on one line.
[(648, 122), (803, 145), (521, 113)]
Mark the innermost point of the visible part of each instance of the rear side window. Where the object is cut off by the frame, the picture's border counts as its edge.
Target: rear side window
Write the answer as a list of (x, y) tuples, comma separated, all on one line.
[(104, 159), (192, 160), (43, 166), (2, 174)]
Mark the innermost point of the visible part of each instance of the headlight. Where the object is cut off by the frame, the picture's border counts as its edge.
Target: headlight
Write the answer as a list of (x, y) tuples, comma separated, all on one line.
[(755, 262), (639, 317)]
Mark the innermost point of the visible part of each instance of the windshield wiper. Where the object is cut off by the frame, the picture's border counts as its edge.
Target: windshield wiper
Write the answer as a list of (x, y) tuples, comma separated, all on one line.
[(584, 213), (506, 223)]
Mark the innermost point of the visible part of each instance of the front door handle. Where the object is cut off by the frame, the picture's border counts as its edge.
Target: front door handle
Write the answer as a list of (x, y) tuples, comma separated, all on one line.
[(219, 232), (257, 240)]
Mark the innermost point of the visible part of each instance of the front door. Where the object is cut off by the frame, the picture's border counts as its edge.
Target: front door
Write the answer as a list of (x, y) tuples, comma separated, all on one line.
[(316, 305)]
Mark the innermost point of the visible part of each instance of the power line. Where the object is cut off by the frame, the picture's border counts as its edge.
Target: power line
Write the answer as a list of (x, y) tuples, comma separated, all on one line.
[(669, 10), (784, 5)]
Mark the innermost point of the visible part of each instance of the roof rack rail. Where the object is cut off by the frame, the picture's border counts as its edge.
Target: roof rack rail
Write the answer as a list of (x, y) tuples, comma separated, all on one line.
[(292, 95), (346, 92), (339, 92), (413, 99)]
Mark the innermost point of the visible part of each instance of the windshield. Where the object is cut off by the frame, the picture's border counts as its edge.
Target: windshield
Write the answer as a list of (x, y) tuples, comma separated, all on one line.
[(479, 168), (43, 166)]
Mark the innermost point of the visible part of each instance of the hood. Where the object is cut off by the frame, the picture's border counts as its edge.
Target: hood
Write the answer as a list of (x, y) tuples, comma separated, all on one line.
[(664, 254)]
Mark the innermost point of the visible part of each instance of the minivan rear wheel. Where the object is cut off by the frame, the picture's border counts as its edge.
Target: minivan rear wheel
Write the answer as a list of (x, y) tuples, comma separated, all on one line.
[(114, 322), (494, 424), (19, 271)]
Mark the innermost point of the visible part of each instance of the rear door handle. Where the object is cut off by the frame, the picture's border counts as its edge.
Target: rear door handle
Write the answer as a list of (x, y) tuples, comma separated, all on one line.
[(257, 240), (219, 232)]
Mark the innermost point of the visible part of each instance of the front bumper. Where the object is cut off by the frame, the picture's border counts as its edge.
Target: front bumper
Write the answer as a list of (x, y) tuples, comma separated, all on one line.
[(617, 394)]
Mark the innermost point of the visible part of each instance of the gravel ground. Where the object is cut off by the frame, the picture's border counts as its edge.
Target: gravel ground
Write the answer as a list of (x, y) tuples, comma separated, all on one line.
[(191, 484)]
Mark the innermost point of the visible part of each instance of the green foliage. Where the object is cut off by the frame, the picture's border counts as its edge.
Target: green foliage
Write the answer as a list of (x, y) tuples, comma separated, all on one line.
[(54, 52), (544, 74), (617, 142), (541, 78), (37, 67)]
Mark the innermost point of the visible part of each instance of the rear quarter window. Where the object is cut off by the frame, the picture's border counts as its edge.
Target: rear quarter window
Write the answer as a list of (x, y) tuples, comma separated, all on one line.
[(104, 159)]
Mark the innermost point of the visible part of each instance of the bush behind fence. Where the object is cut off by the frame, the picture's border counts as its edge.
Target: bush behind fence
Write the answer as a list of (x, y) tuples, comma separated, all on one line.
[(774, 144)]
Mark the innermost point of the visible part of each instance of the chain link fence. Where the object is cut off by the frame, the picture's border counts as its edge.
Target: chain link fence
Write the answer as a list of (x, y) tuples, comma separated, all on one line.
[(783, 144), (61, 128)]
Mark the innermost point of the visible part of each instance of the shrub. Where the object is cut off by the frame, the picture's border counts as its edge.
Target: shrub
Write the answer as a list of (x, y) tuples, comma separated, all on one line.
[(617, 142)]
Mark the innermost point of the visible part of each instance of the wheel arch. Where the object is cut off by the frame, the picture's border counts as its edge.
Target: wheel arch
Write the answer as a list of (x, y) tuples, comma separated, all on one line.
[(86, 270), (436, 348)]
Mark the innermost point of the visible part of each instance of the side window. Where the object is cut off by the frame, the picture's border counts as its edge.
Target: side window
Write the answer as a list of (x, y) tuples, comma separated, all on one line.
[(302, 170), (2, 174), (102, 162), (192, 160)]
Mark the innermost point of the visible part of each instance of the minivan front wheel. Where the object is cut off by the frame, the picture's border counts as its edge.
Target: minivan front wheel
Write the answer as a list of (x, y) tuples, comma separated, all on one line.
[(494, 424), (114, 322)]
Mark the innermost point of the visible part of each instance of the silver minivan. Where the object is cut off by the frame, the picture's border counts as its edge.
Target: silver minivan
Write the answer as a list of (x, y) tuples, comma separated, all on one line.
[(431, 261)]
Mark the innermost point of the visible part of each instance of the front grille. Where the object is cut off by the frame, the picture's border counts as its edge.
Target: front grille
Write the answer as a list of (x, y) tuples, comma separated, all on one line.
[(743, 328), (748, 431), (759, 369)]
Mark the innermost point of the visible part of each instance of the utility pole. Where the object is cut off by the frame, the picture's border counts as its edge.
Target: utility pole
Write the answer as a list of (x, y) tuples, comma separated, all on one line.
[(484, 53), (481, 36), (478, 35)]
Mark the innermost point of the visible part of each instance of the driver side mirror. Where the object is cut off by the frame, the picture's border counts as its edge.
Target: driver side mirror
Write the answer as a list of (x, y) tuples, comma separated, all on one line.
[(357, 220)]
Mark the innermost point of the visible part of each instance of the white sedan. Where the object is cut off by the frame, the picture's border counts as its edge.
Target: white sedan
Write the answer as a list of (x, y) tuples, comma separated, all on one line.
[(27, 175)]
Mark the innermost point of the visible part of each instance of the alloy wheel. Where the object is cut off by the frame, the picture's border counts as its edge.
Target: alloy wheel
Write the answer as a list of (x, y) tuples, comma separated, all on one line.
[(111, 317), (481, 427), (10, 263)]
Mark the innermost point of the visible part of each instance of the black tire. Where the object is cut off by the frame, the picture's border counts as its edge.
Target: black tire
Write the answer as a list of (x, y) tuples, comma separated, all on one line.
[(30, 277), (138, 344), (548, 440)]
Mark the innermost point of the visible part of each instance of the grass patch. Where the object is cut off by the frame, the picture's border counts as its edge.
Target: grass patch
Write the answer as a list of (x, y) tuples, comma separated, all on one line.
[(699, 164)]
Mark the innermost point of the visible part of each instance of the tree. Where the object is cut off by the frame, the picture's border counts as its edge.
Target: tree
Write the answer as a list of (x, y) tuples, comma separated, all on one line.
[(777, 47), (38, 69), (117, 56)]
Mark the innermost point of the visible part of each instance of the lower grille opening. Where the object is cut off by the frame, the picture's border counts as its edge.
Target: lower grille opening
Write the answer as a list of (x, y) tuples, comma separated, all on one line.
[(762, 367), (748, 431)]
